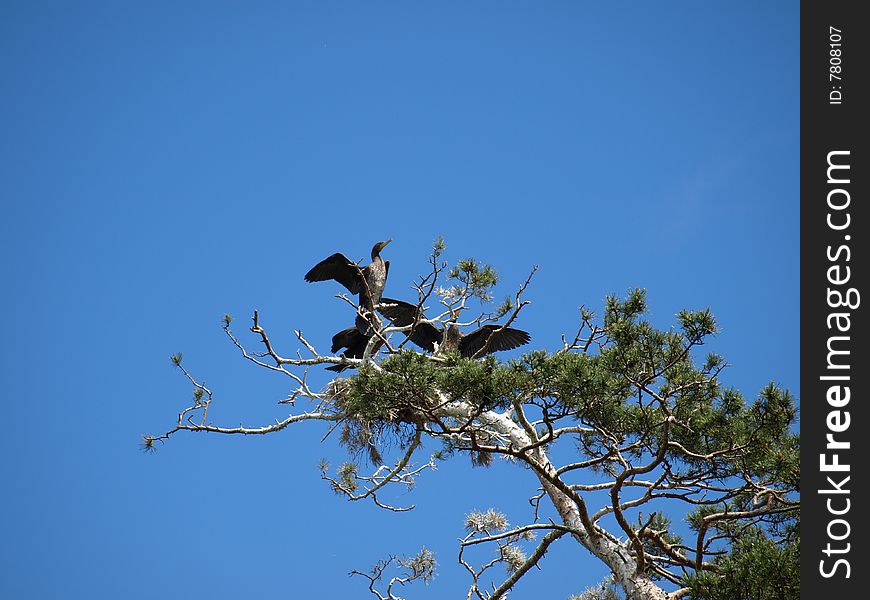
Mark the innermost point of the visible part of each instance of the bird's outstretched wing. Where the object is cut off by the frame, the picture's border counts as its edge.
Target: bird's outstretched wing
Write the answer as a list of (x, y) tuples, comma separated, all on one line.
[(494, 338), (402, 314), (426, 335), (399, 312), (339, 268)]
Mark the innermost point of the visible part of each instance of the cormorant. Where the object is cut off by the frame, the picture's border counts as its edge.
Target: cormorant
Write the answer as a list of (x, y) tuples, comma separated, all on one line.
[(355, 342), (367, 281), (489, 338)]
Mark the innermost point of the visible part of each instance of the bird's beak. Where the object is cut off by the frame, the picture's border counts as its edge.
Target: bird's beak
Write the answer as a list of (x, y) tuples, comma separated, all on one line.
[(387, 242)]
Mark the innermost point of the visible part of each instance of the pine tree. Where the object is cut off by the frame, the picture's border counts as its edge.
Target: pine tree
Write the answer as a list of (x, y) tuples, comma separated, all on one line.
[(644, 414)]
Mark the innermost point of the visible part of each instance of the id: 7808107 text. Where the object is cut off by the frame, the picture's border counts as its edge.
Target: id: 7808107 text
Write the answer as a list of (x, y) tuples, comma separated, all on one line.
[(835, 65)]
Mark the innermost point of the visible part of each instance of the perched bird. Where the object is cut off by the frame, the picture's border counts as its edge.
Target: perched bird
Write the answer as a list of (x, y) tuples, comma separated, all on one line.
[(486, 339), (368, 281), (355, 341)]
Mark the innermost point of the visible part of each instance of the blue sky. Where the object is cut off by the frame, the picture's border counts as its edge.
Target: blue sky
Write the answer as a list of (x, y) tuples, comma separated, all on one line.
[(164, 163)]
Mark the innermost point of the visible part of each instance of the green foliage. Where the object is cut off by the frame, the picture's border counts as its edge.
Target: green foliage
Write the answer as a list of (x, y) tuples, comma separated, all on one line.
[(602, 390), (639, 385), (627, 310), (404, 388), (404, 382), (176, 359), (477, 279), (579, 384), (757, 568), (504, 308), (657, 522), (147, 444), (438, 246), (697, 324)]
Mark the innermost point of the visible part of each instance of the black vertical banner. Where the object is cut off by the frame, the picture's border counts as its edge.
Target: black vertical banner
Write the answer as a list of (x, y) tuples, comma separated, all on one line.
[(835, 224)]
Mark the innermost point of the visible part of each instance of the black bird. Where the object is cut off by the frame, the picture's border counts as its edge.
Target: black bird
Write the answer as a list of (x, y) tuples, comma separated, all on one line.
[(489, 338), (368, 281), (355, 341)]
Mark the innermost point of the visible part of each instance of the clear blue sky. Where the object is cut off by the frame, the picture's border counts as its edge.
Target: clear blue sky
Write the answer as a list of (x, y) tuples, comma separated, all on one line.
[(166, 162)]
